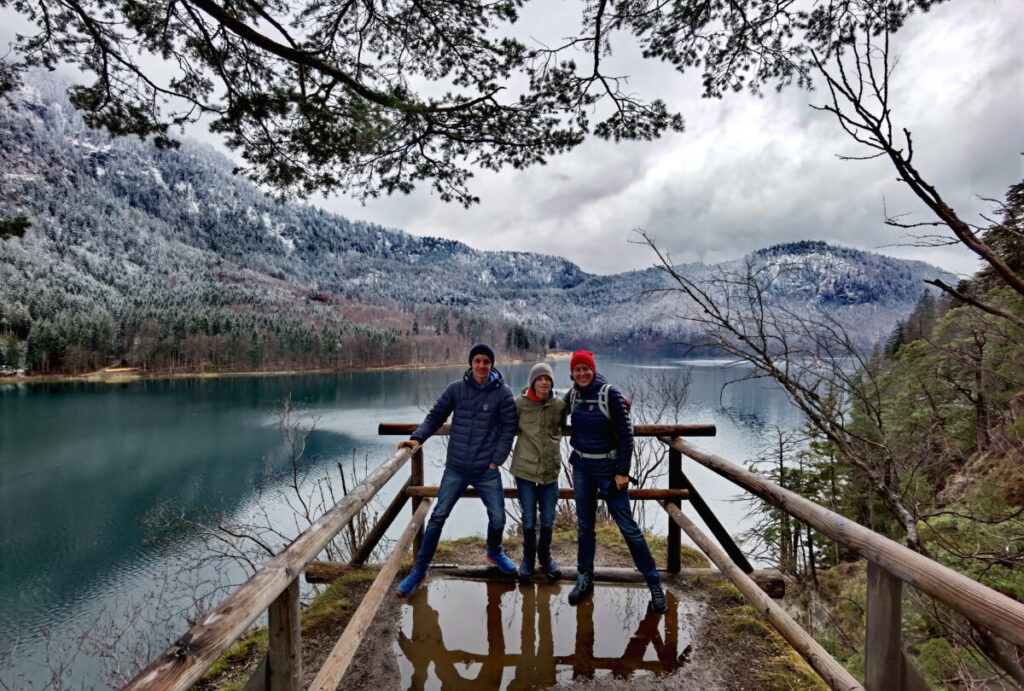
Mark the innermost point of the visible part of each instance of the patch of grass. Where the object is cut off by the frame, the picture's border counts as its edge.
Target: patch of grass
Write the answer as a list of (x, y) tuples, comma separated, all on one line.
[(335, 600), (564, 536), (788, 671), (447, 548), (785, 669), (689, 557), (609, 536), (253, 645)]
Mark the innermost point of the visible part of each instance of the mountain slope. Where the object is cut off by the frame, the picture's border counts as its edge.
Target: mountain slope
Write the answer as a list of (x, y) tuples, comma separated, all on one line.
[(128, 239)]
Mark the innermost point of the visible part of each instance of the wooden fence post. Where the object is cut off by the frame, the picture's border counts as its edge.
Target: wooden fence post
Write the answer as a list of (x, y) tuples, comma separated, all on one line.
[(284, 647), (883, 648), (416, 480), (675, 481)]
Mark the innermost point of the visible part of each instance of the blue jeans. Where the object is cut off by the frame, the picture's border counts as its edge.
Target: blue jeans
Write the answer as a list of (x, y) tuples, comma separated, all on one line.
[(530, 495), (587, 488), (453, 483)]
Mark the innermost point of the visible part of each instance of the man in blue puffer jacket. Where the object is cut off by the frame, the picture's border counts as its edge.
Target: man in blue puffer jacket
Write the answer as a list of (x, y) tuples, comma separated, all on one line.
[(602, 449), (483, 427)]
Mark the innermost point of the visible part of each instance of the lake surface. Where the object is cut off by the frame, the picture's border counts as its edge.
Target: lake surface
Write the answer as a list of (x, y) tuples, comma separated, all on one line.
[(82, 464)]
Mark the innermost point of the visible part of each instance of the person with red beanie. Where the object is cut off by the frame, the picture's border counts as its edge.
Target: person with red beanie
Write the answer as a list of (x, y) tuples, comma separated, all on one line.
[(602, 449)]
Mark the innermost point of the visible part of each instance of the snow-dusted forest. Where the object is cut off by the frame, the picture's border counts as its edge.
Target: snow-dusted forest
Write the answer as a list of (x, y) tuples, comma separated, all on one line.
[(163, 259)]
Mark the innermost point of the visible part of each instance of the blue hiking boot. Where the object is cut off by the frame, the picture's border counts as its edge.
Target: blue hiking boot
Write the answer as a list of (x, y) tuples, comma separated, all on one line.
[(409, 584), (504, 564)]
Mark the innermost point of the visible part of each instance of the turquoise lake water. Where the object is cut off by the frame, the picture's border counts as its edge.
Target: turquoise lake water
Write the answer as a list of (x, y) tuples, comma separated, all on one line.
[(82, 464)]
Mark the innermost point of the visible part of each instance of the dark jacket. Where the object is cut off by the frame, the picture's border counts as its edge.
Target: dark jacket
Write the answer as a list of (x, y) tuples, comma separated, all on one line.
[(483, 425), (593, 433)]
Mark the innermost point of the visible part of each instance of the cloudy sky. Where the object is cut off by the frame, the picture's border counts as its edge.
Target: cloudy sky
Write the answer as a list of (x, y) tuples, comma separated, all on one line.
[(751, 172)]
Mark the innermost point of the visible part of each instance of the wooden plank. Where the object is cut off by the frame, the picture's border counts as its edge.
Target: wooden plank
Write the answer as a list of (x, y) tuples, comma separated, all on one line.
[(563, 493), (675, 481), (977, 602), (333, 669), (407, 428), (883, 648), (185, 661), (834, 674), (284, 643), (768, 580), (382, 525)]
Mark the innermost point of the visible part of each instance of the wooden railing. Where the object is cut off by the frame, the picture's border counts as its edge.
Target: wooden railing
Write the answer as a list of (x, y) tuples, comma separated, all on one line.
[(274, 588), (890, 564)]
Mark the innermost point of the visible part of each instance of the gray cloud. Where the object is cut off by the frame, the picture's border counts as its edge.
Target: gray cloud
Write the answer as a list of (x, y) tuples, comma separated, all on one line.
[(751, 172)]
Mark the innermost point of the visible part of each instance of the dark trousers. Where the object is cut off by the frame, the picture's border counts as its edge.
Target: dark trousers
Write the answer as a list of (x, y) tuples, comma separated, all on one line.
[(453, 484), (587, 488)]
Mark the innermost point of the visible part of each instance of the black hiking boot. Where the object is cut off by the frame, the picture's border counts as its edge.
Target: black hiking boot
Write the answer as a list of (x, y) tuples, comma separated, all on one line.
[(658, 602), (584, 586)]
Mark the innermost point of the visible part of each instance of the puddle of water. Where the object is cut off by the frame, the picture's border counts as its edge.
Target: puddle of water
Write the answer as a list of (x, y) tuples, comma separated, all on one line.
[(473, 634)]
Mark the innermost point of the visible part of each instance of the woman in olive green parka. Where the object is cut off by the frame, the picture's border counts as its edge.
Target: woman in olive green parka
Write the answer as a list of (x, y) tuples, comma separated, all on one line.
[(536, 462)]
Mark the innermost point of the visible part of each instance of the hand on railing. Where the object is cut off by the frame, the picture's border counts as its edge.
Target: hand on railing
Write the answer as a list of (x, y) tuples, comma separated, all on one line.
[(410, 444)]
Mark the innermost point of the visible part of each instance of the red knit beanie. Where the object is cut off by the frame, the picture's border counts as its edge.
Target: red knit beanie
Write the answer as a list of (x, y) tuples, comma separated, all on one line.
[(582, 357)]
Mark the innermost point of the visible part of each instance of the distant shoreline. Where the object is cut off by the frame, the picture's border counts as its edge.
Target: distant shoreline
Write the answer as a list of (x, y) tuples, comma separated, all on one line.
[(120, 376)]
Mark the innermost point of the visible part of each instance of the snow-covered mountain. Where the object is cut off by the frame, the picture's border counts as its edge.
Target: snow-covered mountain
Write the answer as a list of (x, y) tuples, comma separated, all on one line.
[(121, 228)]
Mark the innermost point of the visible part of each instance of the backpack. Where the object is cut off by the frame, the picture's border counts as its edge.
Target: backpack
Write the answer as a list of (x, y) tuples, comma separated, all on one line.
[(602, 400)]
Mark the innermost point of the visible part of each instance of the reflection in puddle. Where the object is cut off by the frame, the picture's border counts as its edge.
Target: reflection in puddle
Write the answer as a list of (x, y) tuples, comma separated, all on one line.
[(494, 635)]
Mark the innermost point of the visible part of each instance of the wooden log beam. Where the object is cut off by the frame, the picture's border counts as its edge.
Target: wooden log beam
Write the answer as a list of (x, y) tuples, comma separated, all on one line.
[(979, 603), (333, 669), (768, 580), (407, 428), (563, 493), (834, 674), (185, 661)]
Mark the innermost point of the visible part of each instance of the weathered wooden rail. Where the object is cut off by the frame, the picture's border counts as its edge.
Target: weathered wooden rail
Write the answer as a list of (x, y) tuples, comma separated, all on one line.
[(890, 564)]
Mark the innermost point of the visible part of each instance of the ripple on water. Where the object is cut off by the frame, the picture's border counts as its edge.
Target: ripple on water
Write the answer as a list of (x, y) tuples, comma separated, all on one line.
[(496, 635)]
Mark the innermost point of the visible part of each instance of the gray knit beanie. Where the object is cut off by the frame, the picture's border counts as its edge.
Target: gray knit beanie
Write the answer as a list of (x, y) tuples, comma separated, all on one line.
[(541, 369)]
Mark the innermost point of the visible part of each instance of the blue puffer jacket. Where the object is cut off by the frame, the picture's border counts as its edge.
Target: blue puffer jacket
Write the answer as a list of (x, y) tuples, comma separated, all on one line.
[(483, 426), (593, 433)]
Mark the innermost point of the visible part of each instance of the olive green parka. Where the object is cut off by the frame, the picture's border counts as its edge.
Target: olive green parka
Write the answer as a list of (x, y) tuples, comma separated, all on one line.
[(537, 455)]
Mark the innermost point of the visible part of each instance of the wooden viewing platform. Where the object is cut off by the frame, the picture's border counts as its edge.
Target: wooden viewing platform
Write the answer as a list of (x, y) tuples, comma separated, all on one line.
[(274, 588)]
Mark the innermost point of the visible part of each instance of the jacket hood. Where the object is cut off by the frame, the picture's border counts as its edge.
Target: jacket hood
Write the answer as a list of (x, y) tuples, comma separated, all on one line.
[(496, 379)]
